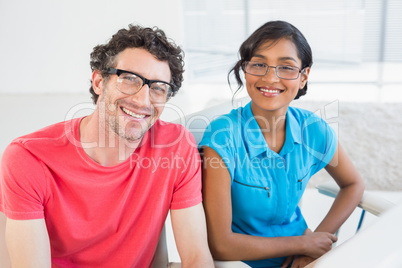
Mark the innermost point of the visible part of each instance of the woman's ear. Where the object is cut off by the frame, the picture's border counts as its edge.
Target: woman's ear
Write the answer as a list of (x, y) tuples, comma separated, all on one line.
[(304, 77), (97, 82)]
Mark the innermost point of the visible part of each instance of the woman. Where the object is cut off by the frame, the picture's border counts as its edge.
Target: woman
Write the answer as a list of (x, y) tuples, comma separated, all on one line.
[(258, 160)]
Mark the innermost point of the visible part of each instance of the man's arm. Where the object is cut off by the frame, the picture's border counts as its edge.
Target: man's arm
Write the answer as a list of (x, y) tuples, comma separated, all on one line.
[(190, 234), (28, 243), (4, 258)]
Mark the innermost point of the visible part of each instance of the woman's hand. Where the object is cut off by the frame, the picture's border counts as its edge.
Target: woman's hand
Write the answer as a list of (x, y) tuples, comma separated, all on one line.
[(298, 261), (318, 243)]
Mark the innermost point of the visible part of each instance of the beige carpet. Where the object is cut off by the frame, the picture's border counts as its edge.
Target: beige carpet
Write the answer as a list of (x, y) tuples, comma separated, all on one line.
[(371, 133)]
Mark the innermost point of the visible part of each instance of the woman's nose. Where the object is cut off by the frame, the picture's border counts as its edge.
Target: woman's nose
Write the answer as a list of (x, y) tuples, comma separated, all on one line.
[(271, 74)]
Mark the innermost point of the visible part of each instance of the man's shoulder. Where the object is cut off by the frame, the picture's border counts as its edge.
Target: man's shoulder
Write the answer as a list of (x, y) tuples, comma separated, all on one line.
[(52, 131), (165, 129), (168, 126), (168, 135), (45, 138)]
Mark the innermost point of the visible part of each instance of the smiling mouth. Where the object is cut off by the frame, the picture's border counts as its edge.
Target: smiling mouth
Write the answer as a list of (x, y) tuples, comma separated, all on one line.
[(130, 113), (271, 91)]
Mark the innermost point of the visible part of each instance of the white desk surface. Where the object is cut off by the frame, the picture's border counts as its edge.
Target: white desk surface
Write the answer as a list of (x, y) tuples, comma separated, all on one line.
[(379, 245)]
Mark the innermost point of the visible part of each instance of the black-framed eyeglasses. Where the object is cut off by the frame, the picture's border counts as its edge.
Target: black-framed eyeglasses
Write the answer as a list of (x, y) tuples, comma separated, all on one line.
[(131, 83), (282, 71)]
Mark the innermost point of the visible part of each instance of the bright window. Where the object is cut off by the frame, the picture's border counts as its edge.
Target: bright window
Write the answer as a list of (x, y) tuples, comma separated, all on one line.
[(353, 41)]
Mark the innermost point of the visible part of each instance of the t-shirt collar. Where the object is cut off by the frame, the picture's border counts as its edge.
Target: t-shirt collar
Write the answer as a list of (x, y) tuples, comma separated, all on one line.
[(254, 140)]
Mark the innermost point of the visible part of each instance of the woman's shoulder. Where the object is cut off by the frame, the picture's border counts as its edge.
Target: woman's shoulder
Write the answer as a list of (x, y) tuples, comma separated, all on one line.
[(223, 130), (229, 120), (300, 113), (308, 121), (305, 117)]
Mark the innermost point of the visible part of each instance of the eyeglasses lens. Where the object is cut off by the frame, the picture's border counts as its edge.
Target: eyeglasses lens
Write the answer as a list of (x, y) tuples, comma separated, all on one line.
[(260, 69), (130, 84)]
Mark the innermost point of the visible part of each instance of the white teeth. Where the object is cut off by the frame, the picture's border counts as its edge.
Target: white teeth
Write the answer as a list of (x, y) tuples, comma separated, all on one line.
[(270, 90), (140, 116)]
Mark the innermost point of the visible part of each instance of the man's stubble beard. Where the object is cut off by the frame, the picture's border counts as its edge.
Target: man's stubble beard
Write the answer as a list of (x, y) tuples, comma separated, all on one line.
[(114, 120)]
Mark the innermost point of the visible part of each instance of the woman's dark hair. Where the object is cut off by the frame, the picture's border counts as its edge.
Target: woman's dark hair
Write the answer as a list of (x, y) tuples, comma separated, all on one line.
[(273, 31), (153, 40)]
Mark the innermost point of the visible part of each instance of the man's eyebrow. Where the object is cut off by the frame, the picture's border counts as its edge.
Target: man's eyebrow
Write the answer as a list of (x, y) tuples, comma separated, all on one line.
[(259, 56)]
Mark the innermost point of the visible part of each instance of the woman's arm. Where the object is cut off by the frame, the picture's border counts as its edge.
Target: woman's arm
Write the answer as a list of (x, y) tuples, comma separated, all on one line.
[(227, 245), (351, 191)]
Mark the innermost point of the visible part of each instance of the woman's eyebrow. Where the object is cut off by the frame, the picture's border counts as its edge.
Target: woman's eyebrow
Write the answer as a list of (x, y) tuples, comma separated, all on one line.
[(280, 58), (287, 58)]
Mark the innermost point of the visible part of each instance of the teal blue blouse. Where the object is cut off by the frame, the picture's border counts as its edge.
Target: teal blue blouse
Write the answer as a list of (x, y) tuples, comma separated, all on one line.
[(266, 186)]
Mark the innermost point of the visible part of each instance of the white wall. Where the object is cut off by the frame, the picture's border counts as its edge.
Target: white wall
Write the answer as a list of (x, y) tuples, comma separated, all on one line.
[(44, 58), (44, 54), (45, 44)]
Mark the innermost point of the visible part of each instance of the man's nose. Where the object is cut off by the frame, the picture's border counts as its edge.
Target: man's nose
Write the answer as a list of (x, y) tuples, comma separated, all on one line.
[(142, 97)]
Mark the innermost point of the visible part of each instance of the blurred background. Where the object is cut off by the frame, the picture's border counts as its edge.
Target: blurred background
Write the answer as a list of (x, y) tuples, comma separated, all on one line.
[(45, 47), (357, 49), (355, 82)]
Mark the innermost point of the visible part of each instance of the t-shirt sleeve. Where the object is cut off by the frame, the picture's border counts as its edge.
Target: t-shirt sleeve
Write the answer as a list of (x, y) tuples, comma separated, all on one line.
[(187, 189), (219, 136), (322, 140), (332, 144), (22, 191)]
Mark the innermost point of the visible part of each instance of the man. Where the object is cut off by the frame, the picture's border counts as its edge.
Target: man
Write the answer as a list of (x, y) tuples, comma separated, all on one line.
[(95, 191)]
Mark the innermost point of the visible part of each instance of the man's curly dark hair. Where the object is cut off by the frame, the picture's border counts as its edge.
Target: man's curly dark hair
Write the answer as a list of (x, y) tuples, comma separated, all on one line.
[(153, 40)]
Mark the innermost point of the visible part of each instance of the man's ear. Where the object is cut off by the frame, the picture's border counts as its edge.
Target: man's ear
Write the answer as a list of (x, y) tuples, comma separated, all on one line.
[(97, 82), (304, 77)]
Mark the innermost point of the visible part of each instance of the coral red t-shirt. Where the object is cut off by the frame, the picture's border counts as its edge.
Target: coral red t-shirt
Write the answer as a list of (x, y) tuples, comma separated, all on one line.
[(99, 216)]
